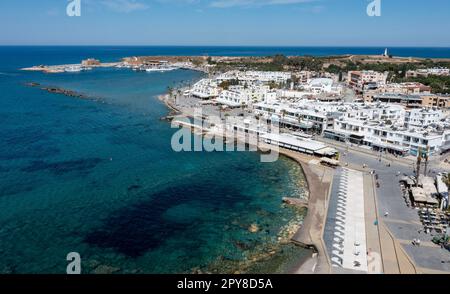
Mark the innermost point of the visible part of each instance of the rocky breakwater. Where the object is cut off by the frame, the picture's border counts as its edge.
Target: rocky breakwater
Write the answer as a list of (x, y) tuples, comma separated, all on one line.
[(58, 90)]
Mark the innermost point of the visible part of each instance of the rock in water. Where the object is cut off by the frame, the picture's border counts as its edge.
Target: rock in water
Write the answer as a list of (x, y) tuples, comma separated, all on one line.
[(253, 228)]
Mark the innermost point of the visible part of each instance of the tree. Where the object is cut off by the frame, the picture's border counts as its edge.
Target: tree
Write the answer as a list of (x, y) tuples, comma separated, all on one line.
[(446, 179)]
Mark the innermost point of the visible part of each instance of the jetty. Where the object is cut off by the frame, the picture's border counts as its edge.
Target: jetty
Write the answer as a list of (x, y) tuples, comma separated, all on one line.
[(295, 202)]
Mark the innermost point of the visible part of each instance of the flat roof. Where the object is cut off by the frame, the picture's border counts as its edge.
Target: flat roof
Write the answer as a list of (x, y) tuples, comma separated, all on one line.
[(296, 142)]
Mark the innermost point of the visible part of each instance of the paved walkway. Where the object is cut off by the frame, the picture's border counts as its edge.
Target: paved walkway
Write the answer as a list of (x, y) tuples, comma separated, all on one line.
[(345, 232), (319, 180), (374, 256)]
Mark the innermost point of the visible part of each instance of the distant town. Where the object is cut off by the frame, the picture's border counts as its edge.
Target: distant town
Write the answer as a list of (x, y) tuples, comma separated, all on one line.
[(381, 123)]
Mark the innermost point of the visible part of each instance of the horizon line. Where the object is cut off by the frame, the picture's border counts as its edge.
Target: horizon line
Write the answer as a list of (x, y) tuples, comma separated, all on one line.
[(260, 46)]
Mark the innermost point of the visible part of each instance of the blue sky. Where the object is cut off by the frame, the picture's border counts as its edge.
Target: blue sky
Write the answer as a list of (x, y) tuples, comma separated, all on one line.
[(226, 22)]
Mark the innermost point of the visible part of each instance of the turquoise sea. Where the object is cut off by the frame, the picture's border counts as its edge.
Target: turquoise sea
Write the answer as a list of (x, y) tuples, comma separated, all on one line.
[(98, 176)]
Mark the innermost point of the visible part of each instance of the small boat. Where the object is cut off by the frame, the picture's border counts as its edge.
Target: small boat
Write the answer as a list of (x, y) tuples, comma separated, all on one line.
[(160, 69), (73, 69)]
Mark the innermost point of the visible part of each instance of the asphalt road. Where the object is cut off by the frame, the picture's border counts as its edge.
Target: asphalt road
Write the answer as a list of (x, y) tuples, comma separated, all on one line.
[(403, 222)]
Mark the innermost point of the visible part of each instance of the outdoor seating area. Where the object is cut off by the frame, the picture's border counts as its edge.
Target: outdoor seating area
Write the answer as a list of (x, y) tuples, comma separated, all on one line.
[(434, 220), (426, 198), (423, 194)]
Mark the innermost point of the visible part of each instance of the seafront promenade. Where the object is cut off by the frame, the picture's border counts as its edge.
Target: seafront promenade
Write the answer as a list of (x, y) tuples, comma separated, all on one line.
[(319, 180), (320, 185)]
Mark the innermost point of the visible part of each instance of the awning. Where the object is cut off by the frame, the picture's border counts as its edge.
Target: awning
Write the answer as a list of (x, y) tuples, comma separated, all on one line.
[(419, 196), (390, 146), (329, 161), (335, 133), (357, 136), (327, 151)]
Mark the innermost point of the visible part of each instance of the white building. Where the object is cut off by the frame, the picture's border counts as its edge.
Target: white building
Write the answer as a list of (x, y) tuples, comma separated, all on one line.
[(240, 95), (269, 76), (255, 76), (233, 98), (436, 71), (293, 117), (293, 94), (423, 117), (323, 86), (205, 89), (389, 137)]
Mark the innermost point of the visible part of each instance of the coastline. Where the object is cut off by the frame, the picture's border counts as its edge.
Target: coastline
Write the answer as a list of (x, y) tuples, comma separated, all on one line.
[(297, 234), (319, 179), (308, 235)]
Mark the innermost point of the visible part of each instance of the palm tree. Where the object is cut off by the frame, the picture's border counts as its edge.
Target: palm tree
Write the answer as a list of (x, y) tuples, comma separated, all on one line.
[(283, 114), (242, 107), (170, 90), (300, 121)]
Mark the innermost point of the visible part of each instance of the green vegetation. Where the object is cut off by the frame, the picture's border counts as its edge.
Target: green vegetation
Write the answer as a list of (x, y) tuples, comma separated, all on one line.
[(447, 180), (274, 85), (276, 63), (438, 84), (397, 71), (226, 84)]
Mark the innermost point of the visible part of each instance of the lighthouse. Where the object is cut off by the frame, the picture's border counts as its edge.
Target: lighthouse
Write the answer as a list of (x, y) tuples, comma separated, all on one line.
[(386, 53)]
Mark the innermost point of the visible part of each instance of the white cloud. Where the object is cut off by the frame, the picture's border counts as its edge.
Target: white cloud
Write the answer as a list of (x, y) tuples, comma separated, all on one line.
[(252, 3), (128, 6), (125, 6)]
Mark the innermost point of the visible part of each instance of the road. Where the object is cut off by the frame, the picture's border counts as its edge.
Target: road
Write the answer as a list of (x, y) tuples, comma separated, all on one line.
[(403, 222)]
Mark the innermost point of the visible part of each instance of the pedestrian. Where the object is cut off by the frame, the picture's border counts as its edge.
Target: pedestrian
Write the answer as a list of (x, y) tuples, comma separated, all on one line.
[(386, 214)]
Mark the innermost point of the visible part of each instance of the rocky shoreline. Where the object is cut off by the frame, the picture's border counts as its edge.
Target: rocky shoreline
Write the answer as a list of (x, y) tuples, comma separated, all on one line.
[(268, 254)]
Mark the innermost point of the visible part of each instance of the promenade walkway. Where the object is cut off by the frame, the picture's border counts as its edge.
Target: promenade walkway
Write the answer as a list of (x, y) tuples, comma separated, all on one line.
[(319, 180)]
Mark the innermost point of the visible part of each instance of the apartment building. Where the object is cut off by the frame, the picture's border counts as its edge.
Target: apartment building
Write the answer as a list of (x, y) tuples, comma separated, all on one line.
[(358, 79), (323, 86), (389, 138), (422, 117), (414, 101), (255, 76), (395, 88), (205, 89), (293, 117), (409, 101), (436, 101), (233, 98)]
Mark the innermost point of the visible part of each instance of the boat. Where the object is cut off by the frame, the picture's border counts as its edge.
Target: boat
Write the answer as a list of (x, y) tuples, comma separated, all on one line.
[(160, 69), (74, 68)]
